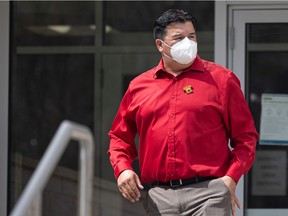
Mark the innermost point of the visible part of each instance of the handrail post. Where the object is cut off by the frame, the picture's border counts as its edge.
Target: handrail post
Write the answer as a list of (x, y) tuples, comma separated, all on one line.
[(36, 207), (41, 175), (86, 181)]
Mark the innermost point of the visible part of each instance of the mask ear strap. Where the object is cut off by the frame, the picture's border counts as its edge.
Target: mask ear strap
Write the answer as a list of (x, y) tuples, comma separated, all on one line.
[(168, 56), (165, 43), (165, 53)]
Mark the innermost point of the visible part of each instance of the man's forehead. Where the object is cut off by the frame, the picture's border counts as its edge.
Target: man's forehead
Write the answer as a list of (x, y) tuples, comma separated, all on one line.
[(176, 25), (179, 28)]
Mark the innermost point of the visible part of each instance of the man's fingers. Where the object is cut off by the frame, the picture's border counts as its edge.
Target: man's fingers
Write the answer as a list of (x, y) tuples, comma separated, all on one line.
[(128, 193), (129, 185), (234, 201), (134, 191), (237, 202), (233, 210)]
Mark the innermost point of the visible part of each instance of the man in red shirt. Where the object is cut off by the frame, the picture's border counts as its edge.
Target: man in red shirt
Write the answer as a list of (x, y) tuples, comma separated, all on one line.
[(185, 110)]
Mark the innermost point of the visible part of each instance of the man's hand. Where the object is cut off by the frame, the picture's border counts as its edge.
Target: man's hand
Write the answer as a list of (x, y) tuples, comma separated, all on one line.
[(231, 184), (129, 185)]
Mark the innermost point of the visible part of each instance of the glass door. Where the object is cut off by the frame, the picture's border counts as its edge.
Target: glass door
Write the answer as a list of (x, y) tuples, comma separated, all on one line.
[(259, 58)]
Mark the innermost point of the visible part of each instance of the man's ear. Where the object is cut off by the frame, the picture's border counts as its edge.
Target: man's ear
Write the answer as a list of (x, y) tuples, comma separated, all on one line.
[(159, 45)]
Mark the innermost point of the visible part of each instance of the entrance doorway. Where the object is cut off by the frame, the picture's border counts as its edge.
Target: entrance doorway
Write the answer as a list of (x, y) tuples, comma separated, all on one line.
[(258, 56)]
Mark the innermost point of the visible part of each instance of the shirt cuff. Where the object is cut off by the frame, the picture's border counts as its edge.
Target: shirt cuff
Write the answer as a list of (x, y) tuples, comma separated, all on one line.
[(120, 167), (234, 172)]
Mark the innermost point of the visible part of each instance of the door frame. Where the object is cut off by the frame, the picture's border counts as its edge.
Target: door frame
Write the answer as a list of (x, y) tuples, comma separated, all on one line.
[(228, 48), (4, 84)]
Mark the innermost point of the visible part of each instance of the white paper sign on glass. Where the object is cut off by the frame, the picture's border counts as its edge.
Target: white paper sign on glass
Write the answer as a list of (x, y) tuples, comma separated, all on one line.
[(274, 119)]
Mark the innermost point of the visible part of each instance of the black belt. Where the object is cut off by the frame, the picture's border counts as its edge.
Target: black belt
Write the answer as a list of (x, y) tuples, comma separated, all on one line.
[(183, 182)]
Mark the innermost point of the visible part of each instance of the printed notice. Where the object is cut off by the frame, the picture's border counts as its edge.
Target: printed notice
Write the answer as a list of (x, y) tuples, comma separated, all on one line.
[(274, 119), (269, 173)]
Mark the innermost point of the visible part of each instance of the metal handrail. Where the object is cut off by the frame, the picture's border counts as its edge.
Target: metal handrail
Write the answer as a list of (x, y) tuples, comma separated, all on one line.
[(67, 130)]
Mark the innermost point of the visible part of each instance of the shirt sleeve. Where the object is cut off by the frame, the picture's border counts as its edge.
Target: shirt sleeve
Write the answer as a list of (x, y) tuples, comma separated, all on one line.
[(241, 129), (122, 150)]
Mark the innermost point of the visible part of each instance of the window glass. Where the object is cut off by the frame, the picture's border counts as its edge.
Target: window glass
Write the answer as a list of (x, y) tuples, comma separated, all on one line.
[(49, 84), (60, 23), (131, 23), (268, 32), (46, 89)]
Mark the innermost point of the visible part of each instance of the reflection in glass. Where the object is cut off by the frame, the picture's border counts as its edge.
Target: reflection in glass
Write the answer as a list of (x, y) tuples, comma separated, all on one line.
[(45, 90), (268, 33), (131, 23), (60, 23)]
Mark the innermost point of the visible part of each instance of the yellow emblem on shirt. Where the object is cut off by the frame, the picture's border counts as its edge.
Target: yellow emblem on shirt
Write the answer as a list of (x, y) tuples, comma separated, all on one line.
[(188, 89)]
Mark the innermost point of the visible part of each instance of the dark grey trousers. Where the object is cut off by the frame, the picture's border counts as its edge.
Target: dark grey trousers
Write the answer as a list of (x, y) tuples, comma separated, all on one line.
[(208, 198)]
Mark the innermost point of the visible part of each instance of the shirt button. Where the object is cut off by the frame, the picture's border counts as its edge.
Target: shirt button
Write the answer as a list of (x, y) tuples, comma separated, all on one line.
[(173, 96), (171, 115)]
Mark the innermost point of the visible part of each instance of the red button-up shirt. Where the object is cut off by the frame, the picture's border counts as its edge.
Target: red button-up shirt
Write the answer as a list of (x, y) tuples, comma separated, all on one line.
[(184, 123)]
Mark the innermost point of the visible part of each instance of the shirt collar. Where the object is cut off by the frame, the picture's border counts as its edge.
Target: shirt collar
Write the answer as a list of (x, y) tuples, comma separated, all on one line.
[(196, 66)]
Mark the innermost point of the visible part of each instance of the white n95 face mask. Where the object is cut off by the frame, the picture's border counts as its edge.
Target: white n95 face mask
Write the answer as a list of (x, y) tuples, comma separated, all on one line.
[(184, 51)]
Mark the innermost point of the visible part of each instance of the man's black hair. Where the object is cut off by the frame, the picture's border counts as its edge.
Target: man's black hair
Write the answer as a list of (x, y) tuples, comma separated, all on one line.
[(171, 16)]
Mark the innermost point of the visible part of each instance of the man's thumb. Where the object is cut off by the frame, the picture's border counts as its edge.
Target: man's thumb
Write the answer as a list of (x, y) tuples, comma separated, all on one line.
[(139, 184)]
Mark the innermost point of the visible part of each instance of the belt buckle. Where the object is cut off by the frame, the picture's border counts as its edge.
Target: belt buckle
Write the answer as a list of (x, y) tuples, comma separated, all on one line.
[(175, 185)]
